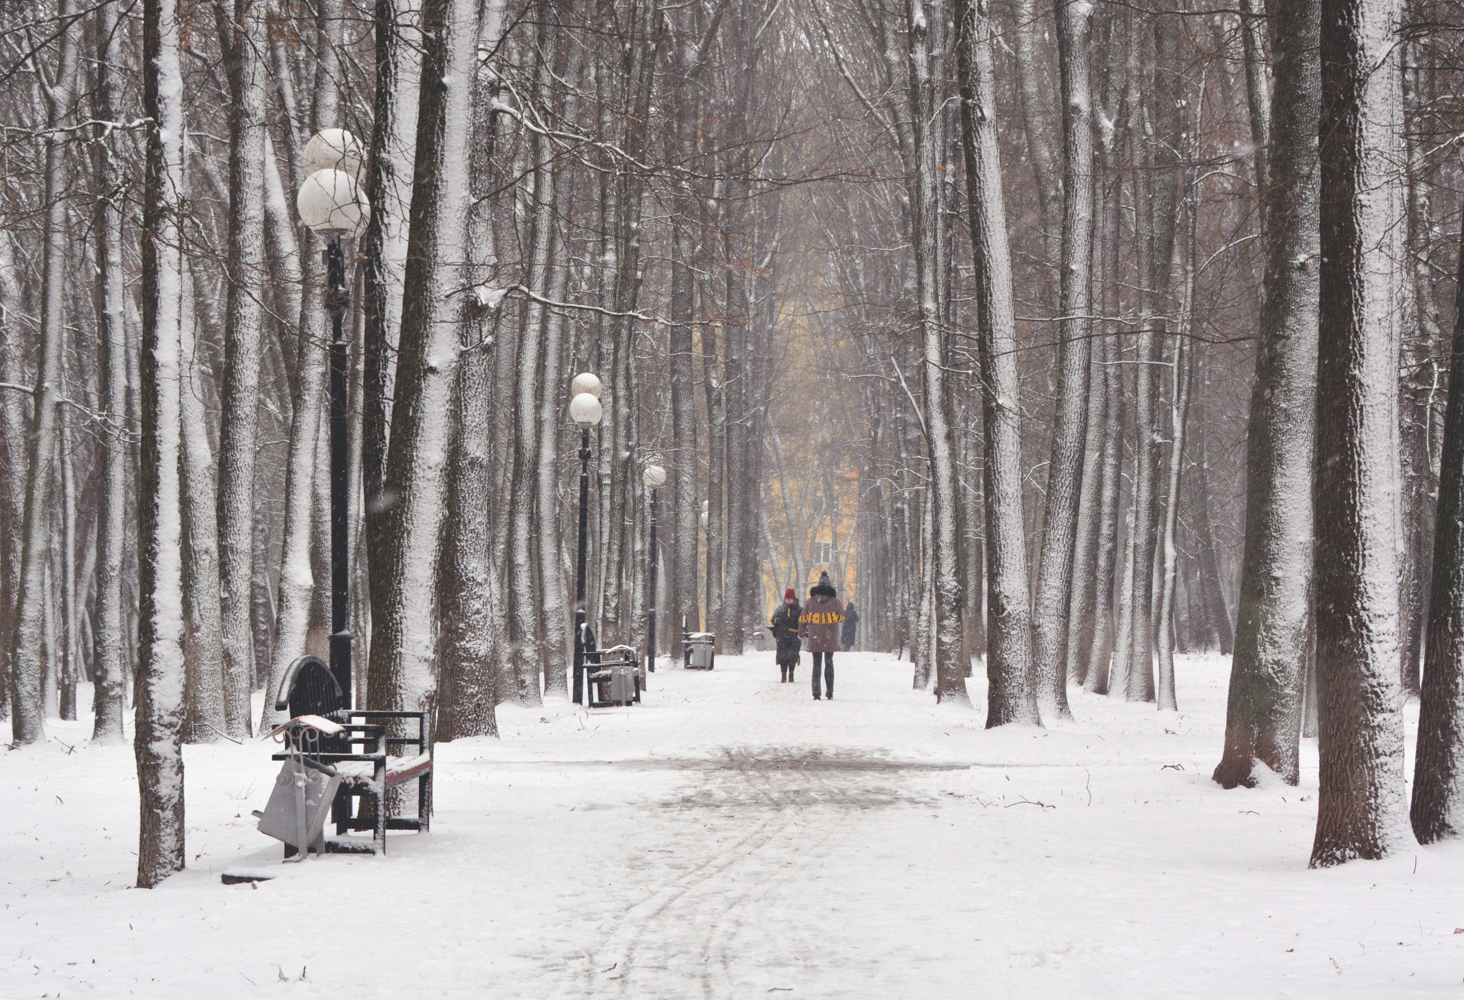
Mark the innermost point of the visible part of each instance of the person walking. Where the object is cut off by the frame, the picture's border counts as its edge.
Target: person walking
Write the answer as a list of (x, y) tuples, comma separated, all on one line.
[(851, 625), (785, 634), (819, 627)]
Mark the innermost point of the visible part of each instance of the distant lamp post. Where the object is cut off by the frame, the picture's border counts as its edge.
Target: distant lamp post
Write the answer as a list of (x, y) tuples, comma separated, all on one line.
[(330, 203), (654, 477), (584, 409)]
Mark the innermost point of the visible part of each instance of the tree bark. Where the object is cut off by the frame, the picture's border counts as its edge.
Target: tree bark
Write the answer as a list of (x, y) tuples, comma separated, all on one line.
[(239, 387), (1360, 812), (160, 671), (1012, 694), (1065, 468), (109, 633), (27, 661), (404, 624), (203, 651)]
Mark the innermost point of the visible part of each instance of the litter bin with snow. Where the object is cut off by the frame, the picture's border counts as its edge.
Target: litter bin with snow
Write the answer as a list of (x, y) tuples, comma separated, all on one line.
[(701, 651)]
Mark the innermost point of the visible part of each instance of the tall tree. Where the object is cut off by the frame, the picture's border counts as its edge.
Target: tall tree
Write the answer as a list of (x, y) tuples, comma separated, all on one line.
[(245, 42), (1437, 811), (1263, 713), (160, 631), (28, 642), (1065, 468), (1011, 693), (401, 674), (1360, 811), (109, 634)]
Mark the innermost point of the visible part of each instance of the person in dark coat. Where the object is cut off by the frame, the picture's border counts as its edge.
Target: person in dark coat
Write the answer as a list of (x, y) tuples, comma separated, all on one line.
[(785, 633), (851, 624), (819, 627)]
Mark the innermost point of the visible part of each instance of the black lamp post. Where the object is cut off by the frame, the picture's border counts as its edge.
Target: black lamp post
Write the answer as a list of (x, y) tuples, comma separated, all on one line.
[(654, 477), (332, 205), (586, 411)]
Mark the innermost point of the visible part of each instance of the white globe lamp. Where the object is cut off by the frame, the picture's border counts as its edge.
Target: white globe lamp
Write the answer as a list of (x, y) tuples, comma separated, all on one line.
[(586, 410), (586, 382), (331, 202), (654, 476), (333, 149)]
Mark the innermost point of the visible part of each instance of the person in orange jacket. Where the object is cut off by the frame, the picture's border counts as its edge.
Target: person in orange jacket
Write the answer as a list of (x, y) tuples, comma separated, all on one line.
[(819, 627)]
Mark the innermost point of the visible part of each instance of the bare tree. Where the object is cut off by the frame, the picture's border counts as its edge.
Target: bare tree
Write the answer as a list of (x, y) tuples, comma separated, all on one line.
[(1360, 811), (1012, 693), (160, 669)]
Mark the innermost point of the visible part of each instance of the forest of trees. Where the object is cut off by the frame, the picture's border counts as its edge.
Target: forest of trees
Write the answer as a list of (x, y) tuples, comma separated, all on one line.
[(1123, 329)]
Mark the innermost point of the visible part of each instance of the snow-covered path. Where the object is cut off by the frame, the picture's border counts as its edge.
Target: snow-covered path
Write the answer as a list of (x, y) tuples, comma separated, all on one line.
[(731, 838)]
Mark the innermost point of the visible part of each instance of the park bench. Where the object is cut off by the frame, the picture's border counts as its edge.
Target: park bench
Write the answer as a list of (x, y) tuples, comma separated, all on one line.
[(364, 754), (611, 676)]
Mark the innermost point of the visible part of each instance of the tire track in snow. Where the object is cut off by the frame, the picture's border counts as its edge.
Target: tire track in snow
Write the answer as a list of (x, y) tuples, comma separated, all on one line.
[(804, 788)]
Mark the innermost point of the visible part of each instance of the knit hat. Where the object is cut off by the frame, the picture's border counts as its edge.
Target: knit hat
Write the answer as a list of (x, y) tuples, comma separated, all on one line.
[(824, 581), (790, 595)]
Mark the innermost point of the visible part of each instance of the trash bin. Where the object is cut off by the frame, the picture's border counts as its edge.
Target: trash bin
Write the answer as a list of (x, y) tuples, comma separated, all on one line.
[(760, 639), (701, 651)]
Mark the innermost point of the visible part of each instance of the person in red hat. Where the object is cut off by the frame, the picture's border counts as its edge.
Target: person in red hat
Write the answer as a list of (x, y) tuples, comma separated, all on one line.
[(785, 633)]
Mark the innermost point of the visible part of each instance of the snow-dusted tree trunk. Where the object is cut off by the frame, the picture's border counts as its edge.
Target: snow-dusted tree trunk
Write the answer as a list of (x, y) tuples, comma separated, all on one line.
[(1012, 694), (109, 634), (1360, 811), (1437, 810), (1082, 613), (1065, 469), (1258, 99), (203, 645), (1181, 380), (525, 642), (402, 672), (471, 601), (1036, 126), (26, 662), (160, 671), (1217, 616), (554, 606), (239, 387), (470, 671), (640, 56), (389, 183), (944, 577), (297, 577)]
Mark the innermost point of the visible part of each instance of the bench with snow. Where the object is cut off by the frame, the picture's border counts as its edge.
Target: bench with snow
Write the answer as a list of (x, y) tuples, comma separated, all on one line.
[(611, 676), (368, 759)]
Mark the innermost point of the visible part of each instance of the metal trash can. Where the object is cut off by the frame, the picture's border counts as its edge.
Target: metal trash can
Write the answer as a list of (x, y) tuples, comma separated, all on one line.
[(760, 639), (701, 651)]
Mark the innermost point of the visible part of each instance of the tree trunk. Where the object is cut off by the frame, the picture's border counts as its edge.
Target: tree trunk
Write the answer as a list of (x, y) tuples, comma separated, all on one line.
[(1360, 811), (239, 388), (28, 720), (160, 671), (402, 673), (389, 184), (1437, 810), (1263, 714), (203, 651), (109, 633), (1065, 469), (1012, 694)]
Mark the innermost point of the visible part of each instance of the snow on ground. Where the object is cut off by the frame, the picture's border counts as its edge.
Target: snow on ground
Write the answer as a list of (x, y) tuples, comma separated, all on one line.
[(732, 838)]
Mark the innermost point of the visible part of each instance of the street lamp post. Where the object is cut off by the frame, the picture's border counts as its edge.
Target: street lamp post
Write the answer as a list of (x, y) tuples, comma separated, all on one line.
[(331, 203), (653, 477), (586, 411)]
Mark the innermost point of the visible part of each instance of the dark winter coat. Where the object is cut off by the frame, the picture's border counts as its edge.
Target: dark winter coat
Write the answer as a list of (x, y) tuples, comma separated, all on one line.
[(785, 632), (819, 625), (851, 624)]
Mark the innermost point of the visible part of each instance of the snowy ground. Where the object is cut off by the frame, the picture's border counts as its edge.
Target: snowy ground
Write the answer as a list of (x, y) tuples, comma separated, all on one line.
[(731, 838)]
